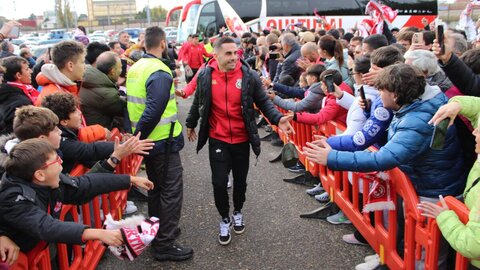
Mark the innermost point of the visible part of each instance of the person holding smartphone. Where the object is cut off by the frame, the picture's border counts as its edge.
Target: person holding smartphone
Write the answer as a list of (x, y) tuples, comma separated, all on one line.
[(454, 231), (8, 28), (432, 172)]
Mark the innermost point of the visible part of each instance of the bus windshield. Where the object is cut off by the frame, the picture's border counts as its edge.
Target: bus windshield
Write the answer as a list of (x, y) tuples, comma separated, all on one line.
[(186, 27)]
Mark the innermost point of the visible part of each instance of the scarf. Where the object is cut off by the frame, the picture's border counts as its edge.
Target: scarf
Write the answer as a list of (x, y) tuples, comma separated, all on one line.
[(380, 193), (27, 89)]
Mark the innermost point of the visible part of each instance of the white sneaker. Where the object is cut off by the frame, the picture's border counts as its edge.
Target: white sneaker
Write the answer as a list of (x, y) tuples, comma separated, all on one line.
[(316, 190), (130, 208), (230, 181), (372, 257), (370, 265), (323, 198), (238, 225), (224, 237)]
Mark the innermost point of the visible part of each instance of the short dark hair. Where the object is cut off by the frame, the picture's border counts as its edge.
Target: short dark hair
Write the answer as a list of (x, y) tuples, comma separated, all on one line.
[(94, 49), (12, 65), (316, 70), (111, 44), (287, 80), (223, 40), (471, 58), (153, 37), (386, 56), (362, 64), (65, 51), (336, 76), (406, 81), (62, 104), (4, 45), (376, 41), (428, 37), (334, 33), (106, 64), (33, 122), (357, 38), (28, 157)]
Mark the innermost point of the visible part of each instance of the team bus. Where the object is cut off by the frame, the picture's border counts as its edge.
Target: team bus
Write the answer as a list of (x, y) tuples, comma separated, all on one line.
[(206, 16)]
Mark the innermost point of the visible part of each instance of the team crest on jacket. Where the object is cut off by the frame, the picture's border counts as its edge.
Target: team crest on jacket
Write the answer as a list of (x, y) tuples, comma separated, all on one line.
[(238, 84)]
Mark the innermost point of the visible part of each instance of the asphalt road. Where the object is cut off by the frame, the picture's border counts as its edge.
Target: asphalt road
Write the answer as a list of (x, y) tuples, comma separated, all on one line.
[(275, 236)]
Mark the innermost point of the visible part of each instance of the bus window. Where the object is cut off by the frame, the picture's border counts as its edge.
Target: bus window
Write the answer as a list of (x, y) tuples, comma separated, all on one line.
[(248, 10), (278, 8), (186, 28), (210, 20)]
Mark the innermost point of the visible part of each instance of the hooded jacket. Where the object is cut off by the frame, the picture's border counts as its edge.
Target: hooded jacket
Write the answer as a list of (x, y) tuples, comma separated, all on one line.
[(52, 81), (11, 98), (466, 238), (100, 99), (432, 172), (250, 92), (24, 207)]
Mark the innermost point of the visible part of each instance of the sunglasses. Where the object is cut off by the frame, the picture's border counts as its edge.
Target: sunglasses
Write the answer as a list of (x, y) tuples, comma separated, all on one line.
[(58, 159)]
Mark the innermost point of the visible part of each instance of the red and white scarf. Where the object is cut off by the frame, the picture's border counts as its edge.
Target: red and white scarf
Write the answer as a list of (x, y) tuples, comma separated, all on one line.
[(27, 89)]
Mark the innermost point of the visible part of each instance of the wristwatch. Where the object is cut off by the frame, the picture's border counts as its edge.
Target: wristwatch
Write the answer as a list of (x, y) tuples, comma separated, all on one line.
[(115, 160)]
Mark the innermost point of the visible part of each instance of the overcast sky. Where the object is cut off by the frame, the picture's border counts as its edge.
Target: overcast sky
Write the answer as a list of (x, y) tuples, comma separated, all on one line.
[(17, 9)]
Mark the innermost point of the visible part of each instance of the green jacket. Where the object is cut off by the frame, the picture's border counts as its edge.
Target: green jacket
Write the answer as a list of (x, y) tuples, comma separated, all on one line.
[(466, 238), (100, 99)]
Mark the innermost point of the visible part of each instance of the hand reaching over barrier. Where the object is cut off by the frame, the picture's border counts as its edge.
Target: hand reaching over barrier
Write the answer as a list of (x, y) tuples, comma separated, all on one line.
[(285, 126), (432, 210), (317, 151), (108, 237), (141, 182), (132, 146)]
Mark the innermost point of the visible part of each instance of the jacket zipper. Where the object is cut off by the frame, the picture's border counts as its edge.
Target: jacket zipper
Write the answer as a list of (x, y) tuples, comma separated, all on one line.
[(226, 109)]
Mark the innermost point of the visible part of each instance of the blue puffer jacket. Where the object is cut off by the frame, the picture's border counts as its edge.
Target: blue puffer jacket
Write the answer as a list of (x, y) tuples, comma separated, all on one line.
[(432, 172)]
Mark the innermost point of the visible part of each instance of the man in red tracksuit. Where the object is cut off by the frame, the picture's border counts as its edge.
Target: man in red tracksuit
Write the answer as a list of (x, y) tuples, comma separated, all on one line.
[(193, 56), (226, 90)]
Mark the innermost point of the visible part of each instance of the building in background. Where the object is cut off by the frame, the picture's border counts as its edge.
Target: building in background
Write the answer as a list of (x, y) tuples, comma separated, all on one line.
[(107, 12)]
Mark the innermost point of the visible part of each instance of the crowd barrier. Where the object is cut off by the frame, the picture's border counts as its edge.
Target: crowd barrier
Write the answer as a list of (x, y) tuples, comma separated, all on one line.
[(87, 256), (420, 236)]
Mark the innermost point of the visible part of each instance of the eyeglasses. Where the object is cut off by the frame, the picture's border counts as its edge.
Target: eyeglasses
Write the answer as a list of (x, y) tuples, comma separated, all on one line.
[(58, 159)]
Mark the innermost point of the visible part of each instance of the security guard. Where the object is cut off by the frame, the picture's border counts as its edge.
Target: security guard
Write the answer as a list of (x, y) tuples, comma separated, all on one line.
[(152, 111)]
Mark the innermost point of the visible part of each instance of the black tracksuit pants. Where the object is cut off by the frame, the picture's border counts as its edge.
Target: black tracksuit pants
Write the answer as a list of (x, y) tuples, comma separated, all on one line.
[(223, 158), (165, 200)]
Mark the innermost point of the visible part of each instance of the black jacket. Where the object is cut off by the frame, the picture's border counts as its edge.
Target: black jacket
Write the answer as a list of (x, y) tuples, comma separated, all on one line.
[(10, 99), (252, 92), (462, 76), (289, 65), (75, 151), (24, 207)]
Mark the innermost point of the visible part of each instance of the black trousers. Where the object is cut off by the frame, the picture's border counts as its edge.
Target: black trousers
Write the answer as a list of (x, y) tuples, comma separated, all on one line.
[(223, 158), (165, 200)]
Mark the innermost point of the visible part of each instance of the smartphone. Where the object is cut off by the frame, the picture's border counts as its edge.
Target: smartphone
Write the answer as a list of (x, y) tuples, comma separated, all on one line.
[(417, 38), (440, 38), (439, 135), (329, 82), (364, 98), (15, 33), (273, 55)]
